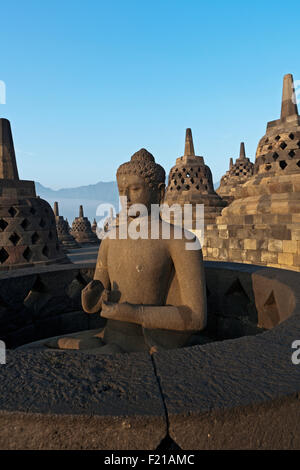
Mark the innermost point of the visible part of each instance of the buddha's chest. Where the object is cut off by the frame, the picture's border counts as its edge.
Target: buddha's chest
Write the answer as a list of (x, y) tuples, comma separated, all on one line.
[(138, 261)]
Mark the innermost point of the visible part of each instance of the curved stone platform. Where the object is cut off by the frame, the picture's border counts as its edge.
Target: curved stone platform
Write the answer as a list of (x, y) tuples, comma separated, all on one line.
[(238, 393)]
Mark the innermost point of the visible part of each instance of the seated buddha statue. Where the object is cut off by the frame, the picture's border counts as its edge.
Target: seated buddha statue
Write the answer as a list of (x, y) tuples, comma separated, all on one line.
[(150, 289)]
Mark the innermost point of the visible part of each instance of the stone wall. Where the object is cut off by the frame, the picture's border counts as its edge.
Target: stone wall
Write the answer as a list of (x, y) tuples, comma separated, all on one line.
[(265, 243), (40, 303)]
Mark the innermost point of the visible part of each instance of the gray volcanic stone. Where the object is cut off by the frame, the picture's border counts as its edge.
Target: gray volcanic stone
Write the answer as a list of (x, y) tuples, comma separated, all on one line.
[(236, 394), (96, 402)]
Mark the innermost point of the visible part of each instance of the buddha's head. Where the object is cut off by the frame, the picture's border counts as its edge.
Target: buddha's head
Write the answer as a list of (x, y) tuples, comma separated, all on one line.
[(141, 180)]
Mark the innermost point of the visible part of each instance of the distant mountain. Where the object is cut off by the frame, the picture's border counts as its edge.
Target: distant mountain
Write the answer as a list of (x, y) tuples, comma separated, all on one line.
[(91, 196)]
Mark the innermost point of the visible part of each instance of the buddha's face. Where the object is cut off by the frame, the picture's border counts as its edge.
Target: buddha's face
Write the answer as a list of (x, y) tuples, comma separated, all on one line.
[(138, 191)]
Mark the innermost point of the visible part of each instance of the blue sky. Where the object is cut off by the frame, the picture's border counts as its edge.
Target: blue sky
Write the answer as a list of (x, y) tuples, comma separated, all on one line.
[(89, 83)]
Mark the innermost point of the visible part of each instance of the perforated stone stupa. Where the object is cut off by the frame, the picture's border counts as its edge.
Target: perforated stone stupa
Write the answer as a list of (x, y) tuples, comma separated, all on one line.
[(63, 230), (190, 182), (238, 173), (262, 225), (28, 234), (82, 230)]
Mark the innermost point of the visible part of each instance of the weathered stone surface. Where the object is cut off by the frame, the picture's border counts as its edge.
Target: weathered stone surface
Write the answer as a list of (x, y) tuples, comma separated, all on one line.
[(237, 394), (76, 401), (28, 234)]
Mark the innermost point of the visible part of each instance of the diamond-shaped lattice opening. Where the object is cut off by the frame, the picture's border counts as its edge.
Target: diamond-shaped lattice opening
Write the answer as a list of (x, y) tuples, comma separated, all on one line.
[(12, 211), (291, 136), (282, 164), (268, 167), (45, 251), (35, 238), (50, 236), (298, 143), (298, 163), (275, 156), (25, 224), (3, 255), (178, 188), (283, 145), (27, 254), (32, 210), (277, 137), (187, 186), (14, 238), (197, 187), (292, 153), (270, 147), (42, 223), (182, 180), (3, 224)]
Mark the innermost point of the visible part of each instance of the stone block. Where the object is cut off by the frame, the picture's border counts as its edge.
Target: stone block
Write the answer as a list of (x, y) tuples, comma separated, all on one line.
[(269, 257), (295, 234), (250, 244), (253, 256), (215, 252), (286, 259), (235, 243), (290, 246), (275, 245), (234, 255), (223, 234)]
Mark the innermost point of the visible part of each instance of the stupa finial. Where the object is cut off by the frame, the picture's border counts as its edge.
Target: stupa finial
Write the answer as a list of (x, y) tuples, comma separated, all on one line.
[(80, 211), (242, 150), (189, 146), (8, 164), (56, 211), (230, 163), (289, 103)]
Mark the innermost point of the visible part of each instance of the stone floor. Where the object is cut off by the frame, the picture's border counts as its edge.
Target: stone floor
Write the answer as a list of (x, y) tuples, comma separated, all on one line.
[(87, 254)]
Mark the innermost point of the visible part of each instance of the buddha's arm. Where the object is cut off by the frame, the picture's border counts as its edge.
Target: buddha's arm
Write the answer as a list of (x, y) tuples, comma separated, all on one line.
[(96, 291), (189, 316)]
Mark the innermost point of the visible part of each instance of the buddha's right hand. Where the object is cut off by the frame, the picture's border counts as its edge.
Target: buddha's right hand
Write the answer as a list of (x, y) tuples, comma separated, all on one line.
[(93, 295)]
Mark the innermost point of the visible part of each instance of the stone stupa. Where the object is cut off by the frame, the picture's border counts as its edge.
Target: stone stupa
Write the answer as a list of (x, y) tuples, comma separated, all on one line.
[(63, 231), (238, 173), (28, 235), (82, 230), (262, 224), (190, 182)]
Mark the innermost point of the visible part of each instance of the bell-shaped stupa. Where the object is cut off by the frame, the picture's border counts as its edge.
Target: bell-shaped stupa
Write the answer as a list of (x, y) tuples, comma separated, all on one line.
[(190, 182), (82, 230), (238, 173), (63, 230), (262, 223), (28, 235)]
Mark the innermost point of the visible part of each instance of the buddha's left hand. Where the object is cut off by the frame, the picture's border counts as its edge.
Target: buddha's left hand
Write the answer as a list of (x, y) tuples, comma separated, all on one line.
[(121, 311)]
